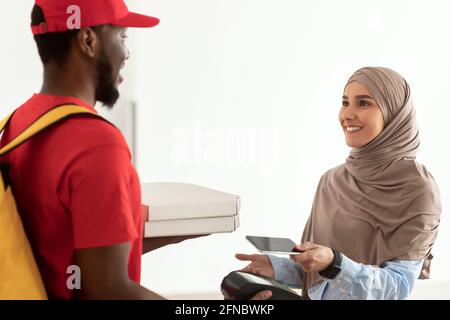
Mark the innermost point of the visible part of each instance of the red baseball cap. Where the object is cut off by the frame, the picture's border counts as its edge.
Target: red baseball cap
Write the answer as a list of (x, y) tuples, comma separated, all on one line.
[(59, 15)]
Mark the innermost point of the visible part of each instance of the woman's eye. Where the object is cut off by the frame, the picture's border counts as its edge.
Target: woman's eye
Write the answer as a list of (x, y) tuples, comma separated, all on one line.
[(364, 103), (345, 103)]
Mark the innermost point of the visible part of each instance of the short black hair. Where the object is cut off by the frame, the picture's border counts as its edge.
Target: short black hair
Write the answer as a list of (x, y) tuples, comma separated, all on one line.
[(52, 47)]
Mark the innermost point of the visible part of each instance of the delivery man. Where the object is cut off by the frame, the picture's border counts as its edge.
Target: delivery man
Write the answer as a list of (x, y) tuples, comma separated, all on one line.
[(76, 188)]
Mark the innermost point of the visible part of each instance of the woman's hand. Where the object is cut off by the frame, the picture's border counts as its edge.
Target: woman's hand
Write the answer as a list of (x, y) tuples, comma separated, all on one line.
[(314, 258), (260, 264)]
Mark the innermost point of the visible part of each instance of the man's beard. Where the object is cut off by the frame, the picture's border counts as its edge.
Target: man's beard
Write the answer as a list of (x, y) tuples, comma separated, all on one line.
[(106, 91)]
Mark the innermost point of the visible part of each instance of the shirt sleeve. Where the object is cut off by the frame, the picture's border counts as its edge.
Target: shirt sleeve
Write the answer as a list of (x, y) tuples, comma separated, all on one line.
[(392, 281), (97, 193), (287, 271)]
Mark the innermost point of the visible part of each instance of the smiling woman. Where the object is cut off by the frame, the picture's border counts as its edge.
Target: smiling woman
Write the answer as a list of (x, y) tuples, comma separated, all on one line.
[(374, 219)]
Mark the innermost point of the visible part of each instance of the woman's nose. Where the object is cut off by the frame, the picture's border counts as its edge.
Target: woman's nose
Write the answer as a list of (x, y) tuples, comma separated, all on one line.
[(348, 113)]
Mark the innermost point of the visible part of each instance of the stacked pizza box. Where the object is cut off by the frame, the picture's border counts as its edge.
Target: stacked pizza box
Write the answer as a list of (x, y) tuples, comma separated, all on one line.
[(175, 209)]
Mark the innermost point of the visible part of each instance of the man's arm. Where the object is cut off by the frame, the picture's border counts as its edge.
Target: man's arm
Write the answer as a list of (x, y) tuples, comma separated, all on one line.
[(150, 244), (104, 275)]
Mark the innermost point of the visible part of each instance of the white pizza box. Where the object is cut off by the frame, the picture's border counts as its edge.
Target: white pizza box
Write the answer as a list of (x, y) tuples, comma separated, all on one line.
[(198, 226), (187, 209)]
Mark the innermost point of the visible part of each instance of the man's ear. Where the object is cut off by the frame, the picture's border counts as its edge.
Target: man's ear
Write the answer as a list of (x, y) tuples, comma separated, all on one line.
[(88, 42)]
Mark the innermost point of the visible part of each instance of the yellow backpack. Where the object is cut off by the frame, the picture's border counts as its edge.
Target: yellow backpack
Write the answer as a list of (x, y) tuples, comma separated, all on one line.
[(19, 275)]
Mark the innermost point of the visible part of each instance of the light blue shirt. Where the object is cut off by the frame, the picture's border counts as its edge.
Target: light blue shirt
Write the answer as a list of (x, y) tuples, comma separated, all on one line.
[(392, 281)]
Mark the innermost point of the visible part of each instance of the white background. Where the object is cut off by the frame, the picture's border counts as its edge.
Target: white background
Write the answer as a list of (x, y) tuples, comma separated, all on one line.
[(243, 95)]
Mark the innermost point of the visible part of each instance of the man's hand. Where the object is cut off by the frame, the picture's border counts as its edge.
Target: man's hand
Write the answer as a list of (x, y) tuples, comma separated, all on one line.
[(315, 257), (150, 244), (262, 295), (260, 264)]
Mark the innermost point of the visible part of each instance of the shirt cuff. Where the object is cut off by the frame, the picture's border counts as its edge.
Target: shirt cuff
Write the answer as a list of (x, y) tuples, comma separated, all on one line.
[(287, 271), (345, 279)]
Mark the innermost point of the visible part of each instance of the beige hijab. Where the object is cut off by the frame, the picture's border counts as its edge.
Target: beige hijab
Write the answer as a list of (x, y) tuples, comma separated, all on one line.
[(381, 204)]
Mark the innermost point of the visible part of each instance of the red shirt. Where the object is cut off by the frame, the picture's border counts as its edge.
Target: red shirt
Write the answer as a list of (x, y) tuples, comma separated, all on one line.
[(75, 187)]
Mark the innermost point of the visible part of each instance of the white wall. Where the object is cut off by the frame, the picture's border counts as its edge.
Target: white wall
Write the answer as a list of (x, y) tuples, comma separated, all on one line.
[(276, 69), (20, 64), (243, 96)]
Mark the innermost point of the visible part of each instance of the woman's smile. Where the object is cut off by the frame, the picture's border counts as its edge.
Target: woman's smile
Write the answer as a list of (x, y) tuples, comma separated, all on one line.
[(352, 129)]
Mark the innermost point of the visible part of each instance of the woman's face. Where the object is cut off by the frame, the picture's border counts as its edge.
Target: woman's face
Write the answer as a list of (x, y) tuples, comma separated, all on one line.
[(360, 116)]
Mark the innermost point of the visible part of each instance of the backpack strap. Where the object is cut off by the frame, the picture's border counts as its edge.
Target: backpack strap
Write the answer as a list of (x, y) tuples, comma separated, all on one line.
[(5, 121), (51, 117)]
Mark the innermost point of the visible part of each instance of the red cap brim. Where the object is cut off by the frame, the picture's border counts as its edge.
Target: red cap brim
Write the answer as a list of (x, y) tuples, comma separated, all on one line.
[(136, 20)]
